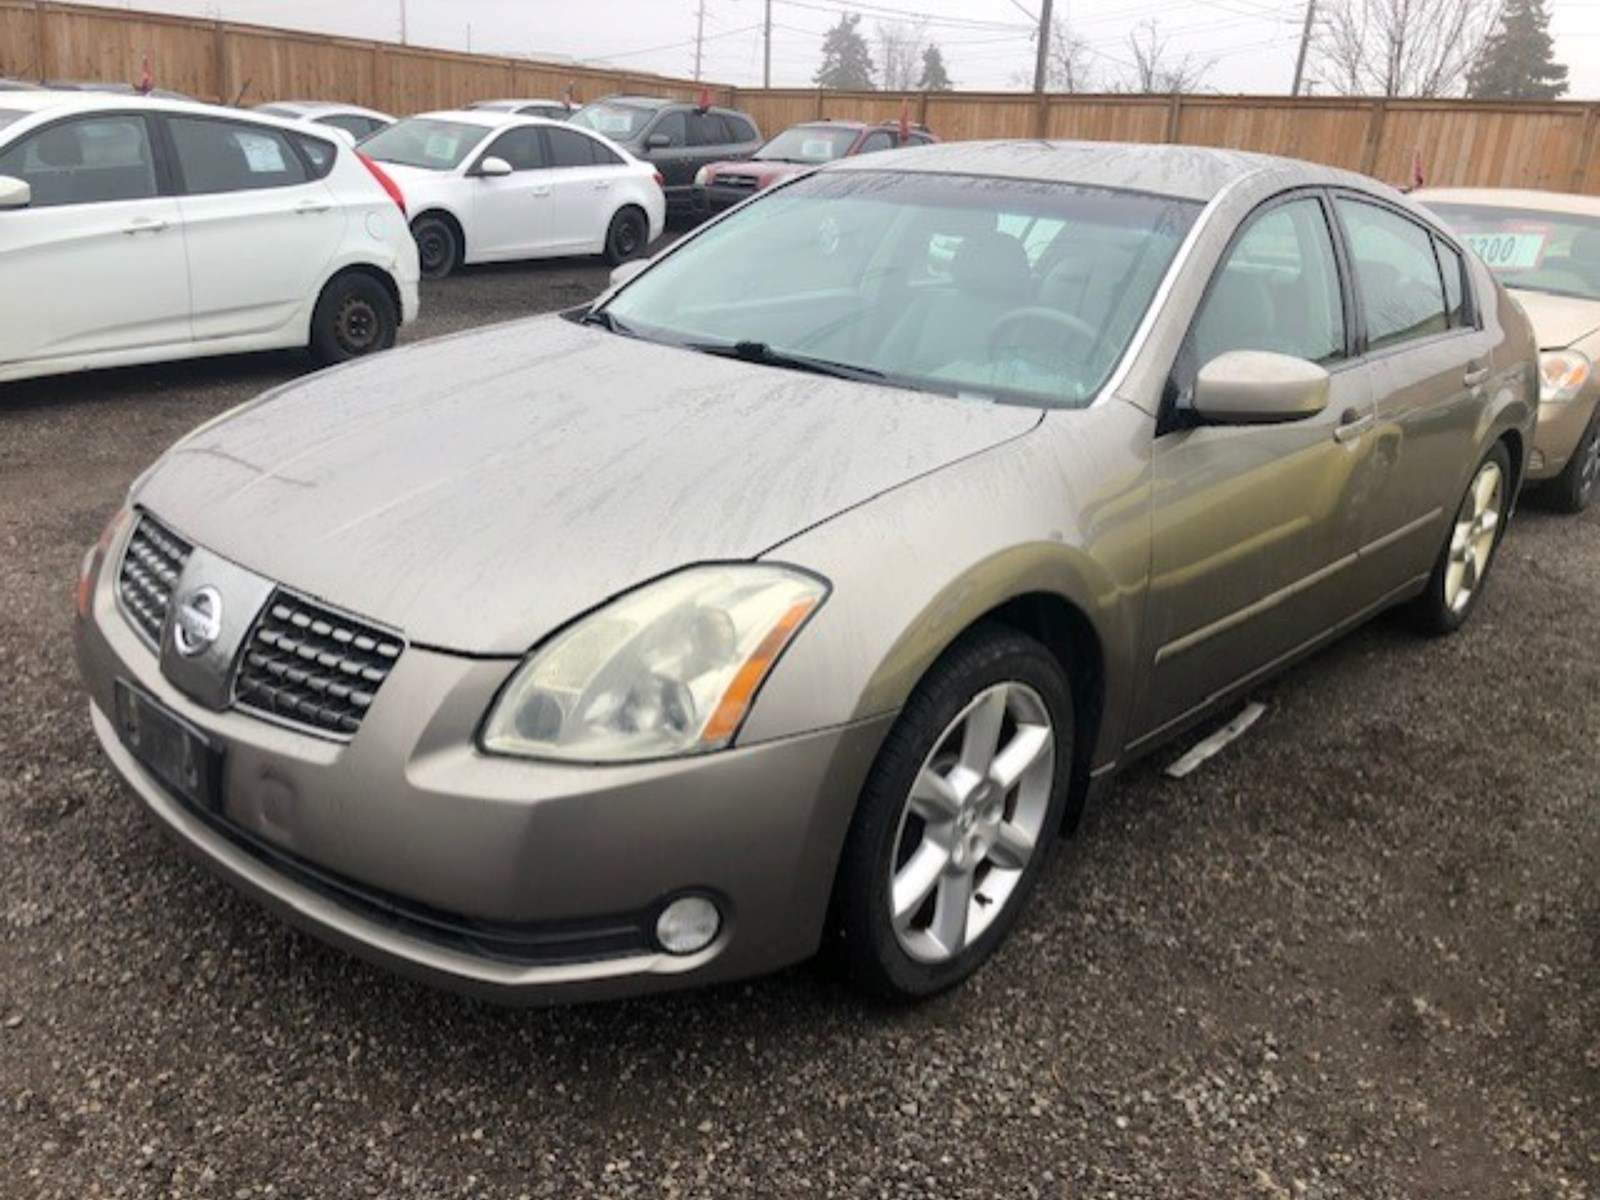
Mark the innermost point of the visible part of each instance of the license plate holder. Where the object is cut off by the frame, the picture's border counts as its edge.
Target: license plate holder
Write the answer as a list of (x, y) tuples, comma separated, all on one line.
[(184, 759)]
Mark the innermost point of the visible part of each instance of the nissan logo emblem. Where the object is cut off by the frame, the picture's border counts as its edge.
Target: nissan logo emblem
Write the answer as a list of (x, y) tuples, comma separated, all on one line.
[(198, 622)]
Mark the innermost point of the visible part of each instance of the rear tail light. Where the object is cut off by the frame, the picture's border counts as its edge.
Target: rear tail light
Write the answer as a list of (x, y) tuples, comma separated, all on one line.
[(388, 184), (661, 180)]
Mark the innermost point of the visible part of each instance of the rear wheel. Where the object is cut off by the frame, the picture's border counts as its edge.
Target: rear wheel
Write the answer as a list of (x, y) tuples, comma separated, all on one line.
[(956, 818), (438, 246), (627, 236), (1574, 489), (1462, 568), (354, 317)]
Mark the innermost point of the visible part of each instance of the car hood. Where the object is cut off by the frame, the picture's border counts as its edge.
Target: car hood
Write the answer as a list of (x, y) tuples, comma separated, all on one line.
[(1558, 321), (479, 491)]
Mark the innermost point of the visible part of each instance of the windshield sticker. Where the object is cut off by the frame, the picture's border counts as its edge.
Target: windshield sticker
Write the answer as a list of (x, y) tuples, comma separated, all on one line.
[(816, 148), (1508, 250), (441, 147)]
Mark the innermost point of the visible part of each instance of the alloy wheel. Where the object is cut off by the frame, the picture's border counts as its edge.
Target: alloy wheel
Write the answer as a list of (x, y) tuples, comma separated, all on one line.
[(1472, 540), (971, 823), (1589, 465)]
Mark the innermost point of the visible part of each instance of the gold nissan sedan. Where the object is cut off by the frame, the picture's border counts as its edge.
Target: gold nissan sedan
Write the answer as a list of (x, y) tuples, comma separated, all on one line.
[(1545, 247)]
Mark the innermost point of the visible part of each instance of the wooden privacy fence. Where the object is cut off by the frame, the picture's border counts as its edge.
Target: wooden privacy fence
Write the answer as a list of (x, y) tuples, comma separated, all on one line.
[(1520, 144)]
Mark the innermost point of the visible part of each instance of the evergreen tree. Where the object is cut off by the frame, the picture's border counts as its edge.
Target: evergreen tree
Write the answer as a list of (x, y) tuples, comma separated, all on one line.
[(1518, 60), (934, 77), (846, 59)]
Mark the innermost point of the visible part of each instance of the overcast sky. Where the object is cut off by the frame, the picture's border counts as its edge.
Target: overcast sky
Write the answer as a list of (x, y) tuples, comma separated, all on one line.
[(987, 44)]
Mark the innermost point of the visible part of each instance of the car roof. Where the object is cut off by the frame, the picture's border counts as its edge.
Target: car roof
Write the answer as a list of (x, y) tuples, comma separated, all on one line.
[(489, 118), (1186, 172), (47, 104), (318, 106), (496, 104), (1525, 198)]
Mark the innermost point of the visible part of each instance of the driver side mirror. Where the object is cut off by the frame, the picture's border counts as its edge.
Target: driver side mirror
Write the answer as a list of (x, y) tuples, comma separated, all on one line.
[(493, 168), (657, 141), (628, 271), (14, 193), (1258, 387)]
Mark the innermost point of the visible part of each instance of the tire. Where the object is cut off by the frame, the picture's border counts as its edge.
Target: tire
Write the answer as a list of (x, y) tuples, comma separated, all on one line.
[(354, 317), (1462, 568), (438, 246), (1574, 489), (912, 826), (627, 237)]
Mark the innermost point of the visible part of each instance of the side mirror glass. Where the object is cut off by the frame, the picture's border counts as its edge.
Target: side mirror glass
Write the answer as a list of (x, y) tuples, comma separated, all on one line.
[(657, 141), (14, 193), (1257, 387), (628, 271), (494, 168)]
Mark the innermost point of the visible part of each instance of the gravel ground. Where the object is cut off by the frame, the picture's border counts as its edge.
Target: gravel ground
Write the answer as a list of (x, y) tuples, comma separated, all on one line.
[(1358, 954)]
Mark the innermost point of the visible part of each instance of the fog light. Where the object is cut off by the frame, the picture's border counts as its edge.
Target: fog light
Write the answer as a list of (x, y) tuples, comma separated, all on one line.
[(688, 925)]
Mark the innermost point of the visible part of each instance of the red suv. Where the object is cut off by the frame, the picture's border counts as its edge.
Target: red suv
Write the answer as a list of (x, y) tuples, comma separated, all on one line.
[(799, 148)]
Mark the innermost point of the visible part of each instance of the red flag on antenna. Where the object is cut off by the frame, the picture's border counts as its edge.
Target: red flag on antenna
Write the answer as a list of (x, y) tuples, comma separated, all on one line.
[(1417, 179), (905, 121), (705, 98), (147, 79)]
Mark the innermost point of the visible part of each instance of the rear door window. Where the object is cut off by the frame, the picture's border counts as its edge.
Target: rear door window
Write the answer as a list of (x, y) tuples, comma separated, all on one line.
[(1397, 275), (224, 156), (321, 154), (87, 160), (568, 149)]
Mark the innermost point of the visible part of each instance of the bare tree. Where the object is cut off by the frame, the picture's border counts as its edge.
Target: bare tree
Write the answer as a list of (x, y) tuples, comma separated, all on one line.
[(1068, 63), (1400, 47), (1156, 70), (900, 49)]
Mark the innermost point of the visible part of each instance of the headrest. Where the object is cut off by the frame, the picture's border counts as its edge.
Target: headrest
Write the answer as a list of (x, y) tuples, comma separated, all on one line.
[(994, 264)]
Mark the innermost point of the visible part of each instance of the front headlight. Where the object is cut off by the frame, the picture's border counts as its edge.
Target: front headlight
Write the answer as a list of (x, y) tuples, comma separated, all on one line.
[(670, 669), (1562, 374)]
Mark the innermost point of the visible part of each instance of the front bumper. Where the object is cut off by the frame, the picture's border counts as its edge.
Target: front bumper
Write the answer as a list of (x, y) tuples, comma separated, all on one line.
[(1561, 427), (517, 881), (714, 198)]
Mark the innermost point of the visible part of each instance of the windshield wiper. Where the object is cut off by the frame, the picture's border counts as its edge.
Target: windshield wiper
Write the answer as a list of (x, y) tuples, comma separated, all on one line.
[(602, 318), (760, 352)]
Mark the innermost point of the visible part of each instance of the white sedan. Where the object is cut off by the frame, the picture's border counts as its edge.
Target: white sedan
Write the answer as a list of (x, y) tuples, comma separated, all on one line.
[(358, 122), (138, 230), (491, 187)]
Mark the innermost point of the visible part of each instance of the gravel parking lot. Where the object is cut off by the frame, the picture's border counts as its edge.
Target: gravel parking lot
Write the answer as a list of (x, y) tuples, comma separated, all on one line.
[(1356, 955)]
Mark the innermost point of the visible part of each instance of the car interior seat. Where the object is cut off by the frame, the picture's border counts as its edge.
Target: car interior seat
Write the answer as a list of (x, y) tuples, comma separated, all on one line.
[(989, 277)]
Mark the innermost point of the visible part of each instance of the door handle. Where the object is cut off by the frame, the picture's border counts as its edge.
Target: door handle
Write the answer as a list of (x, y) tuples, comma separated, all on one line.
[(1475, 376), (308, 207), (143, 225), (602, 185), (1352, 424), (539, 191)]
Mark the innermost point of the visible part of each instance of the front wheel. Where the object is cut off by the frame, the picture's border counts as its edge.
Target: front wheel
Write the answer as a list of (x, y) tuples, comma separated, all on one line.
[(1574, 489), (627, 236), (956, 817), (354, 317), (438, 246), (1462, 568)]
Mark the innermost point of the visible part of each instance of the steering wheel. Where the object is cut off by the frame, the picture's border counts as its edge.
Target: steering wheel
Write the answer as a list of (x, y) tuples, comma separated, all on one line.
[(1053, 357)]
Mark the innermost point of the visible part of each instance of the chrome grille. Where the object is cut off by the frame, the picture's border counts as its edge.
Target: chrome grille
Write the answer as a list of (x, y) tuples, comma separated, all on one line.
[(737, 181), (312, 666), (151, 565)]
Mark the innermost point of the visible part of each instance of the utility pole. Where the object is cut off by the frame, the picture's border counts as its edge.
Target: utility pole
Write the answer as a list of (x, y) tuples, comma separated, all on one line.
[(766, 65), (1305, 41), (699, 39), (1041, 69), (403, 39)]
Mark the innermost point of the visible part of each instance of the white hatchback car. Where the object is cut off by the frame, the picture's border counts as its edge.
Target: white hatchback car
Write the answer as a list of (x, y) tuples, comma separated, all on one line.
[(136, 230), (489, 186)]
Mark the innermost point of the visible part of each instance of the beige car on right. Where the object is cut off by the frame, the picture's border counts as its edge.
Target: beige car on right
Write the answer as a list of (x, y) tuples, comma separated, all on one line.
[(1545, 247)]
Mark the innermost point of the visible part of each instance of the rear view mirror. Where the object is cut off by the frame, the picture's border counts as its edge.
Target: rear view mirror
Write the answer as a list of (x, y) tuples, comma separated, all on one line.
[(1257, 387), (494, 168), (657, 141), (14, 193), (628, 271)]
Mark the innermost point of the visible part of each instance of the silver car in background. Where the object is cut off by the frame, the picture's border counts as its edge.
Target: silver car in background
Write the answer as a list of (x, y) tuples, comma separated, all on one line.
[(801, 589)]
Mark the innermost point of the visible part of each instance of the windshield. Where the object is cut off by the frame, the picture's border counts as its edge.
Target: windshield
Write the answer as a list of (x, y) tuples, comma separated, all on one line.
[(620, 122), (1531, 249), (808, 144), (1002, 289), (432, 145)]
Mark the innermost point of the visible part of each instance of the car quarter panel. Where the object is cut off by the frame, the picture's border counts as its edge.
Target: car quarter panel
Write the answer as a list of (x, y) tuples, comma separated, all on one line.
[(1062, 512)]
